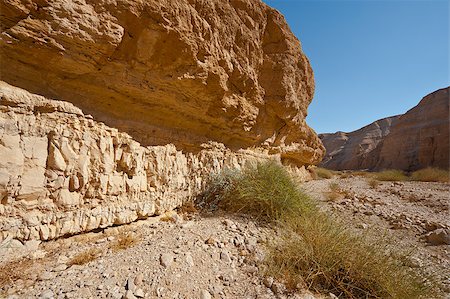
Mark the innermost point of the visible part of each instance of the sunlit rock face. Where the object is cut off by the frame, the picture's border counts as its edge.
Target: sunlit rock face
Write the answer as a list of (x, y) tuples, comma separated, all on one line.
[(184, 72), (415, 140), (63, 173)]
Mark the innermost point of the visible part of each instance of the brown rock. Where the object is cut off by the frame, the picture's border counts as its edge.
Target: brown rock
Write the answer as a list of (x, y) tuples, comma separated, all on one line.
[(420, 139), (181, 72), (417, 139), (355, 150)]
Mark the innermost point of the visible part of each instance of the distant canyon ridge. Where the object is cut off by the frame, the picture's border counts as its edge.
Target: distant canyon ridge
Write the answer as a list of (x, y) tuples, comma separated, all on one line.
[(415, 140)]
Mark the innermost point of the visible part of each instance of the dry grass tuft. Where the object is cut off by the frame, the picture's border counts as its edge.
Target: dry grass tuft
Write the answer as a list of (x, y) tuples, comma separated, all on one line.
[(336, 192), (391, 175), (124, 241), (315, 251), (323, 255), (322, 173), (373, 183), (85, 257), (431, 175), (265, 191), (14, 270)]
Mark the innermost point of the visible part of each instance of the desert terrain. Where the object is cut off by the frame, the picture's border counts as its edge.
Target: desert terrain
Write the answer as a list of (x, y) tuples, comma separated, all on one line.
[(215, 254)]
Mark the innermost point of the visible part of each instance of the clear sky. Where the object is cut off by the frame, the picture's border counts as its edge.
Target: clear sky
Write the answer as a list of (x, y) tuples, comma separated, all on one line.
[(371, 58)]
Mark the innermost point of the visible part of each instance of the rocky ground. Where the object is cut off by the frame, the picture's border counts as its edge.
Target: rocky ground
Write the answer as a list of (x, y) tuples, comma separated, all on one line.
[(217, 255), (414, 215)]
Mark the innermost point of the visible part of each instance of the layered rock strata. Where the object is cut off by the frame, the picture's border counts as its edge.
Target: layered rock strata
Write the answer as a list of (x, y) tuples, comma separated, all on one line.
[(421, 137), (417, 139), (182, 71), (63, 173), (357, 149)]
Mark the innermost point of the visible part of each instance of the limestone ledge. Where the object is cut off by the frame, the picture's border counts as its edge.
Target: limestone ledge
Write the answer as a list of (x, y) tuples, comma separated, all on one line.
[(61, 172)]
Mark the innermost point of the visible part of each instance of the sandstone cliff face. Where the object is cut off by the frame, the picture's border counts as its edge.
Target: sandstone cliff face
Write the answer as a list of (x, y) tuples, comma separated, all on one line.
[(179, 71), (417, 139), (421, 136), (357, 149), (63, 173)]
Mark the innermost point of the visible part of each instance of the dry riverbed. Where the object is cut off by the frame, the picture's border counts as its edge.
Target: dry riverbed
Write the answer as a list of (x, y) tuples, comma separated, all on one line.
[(218, 255)]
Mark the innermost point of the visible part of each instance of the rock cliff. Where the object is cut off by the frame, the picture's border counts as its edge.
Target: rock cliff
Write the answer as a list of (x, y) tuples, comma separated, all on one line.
[(357, 149), (62, 173), (184, 72), (417, 139), (421, 136)]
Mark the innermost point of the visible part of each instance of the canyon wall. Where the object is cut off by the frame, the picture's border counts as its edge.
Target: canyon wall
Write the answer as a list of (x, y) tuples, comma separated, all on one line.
[(183, 72), (417, 139), (63, 173), (357, 149), (113, 111)]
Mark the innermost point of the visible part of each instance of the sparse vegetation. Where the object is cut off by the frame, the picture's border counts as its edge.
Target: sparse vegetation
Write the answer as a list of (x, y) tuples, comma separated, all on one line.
[(391, 175), (265, 191), (14, 270), (336, 192), (373, 183), (430, 175), (85, 257), (124, 241), (315, 251), (322, 173)]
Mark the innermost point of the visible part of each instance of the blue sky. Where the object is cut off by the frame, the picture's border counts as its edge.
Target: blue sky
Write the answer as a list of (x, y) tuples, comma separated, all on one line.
[(371, 58)]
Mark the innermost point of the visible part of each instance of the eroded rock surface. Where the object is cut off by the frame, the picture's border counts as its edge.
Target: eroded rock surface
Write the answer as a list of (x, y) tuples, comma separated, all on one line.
[(417, 139), (357, 149), (184, 72), (63, 173)]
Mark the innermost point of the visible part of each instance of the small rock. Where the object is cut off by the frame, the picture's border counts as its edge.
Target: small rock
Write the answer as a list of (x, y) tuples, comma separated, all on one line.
[(278, 288), (139, 293), (138, 280), (439, 236), (166, 259), (333, 296), (60, 267), (48, 294), (47, 275), (210, 241), (204, 294), (268, 281), (225, 256), (189, 260), (32, 245), (129, 295), (129, 285)]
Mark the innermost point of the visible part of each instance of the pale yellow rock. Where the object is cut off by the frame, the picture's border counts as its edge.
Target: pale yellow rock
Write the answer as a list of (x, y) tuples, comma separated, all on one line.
[(167, 72), (70, 174)]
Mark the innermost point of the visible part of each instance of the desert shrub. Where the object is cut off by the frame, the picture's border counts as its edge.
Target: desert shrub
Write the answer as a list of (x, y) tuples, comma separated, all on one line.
[(390, 175), (430, 175), (315, 251), (323, 255), (322, 173), (373, 183), (85, 257), (265, 191), (336, 192), (124, 241)]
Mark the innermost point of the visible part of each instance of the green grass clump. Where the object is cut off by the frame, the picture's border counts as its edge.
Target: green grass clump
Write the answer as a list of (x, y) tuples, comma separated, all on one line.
[(391, 175), (265, 191), (315, 250), (430, 175)]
